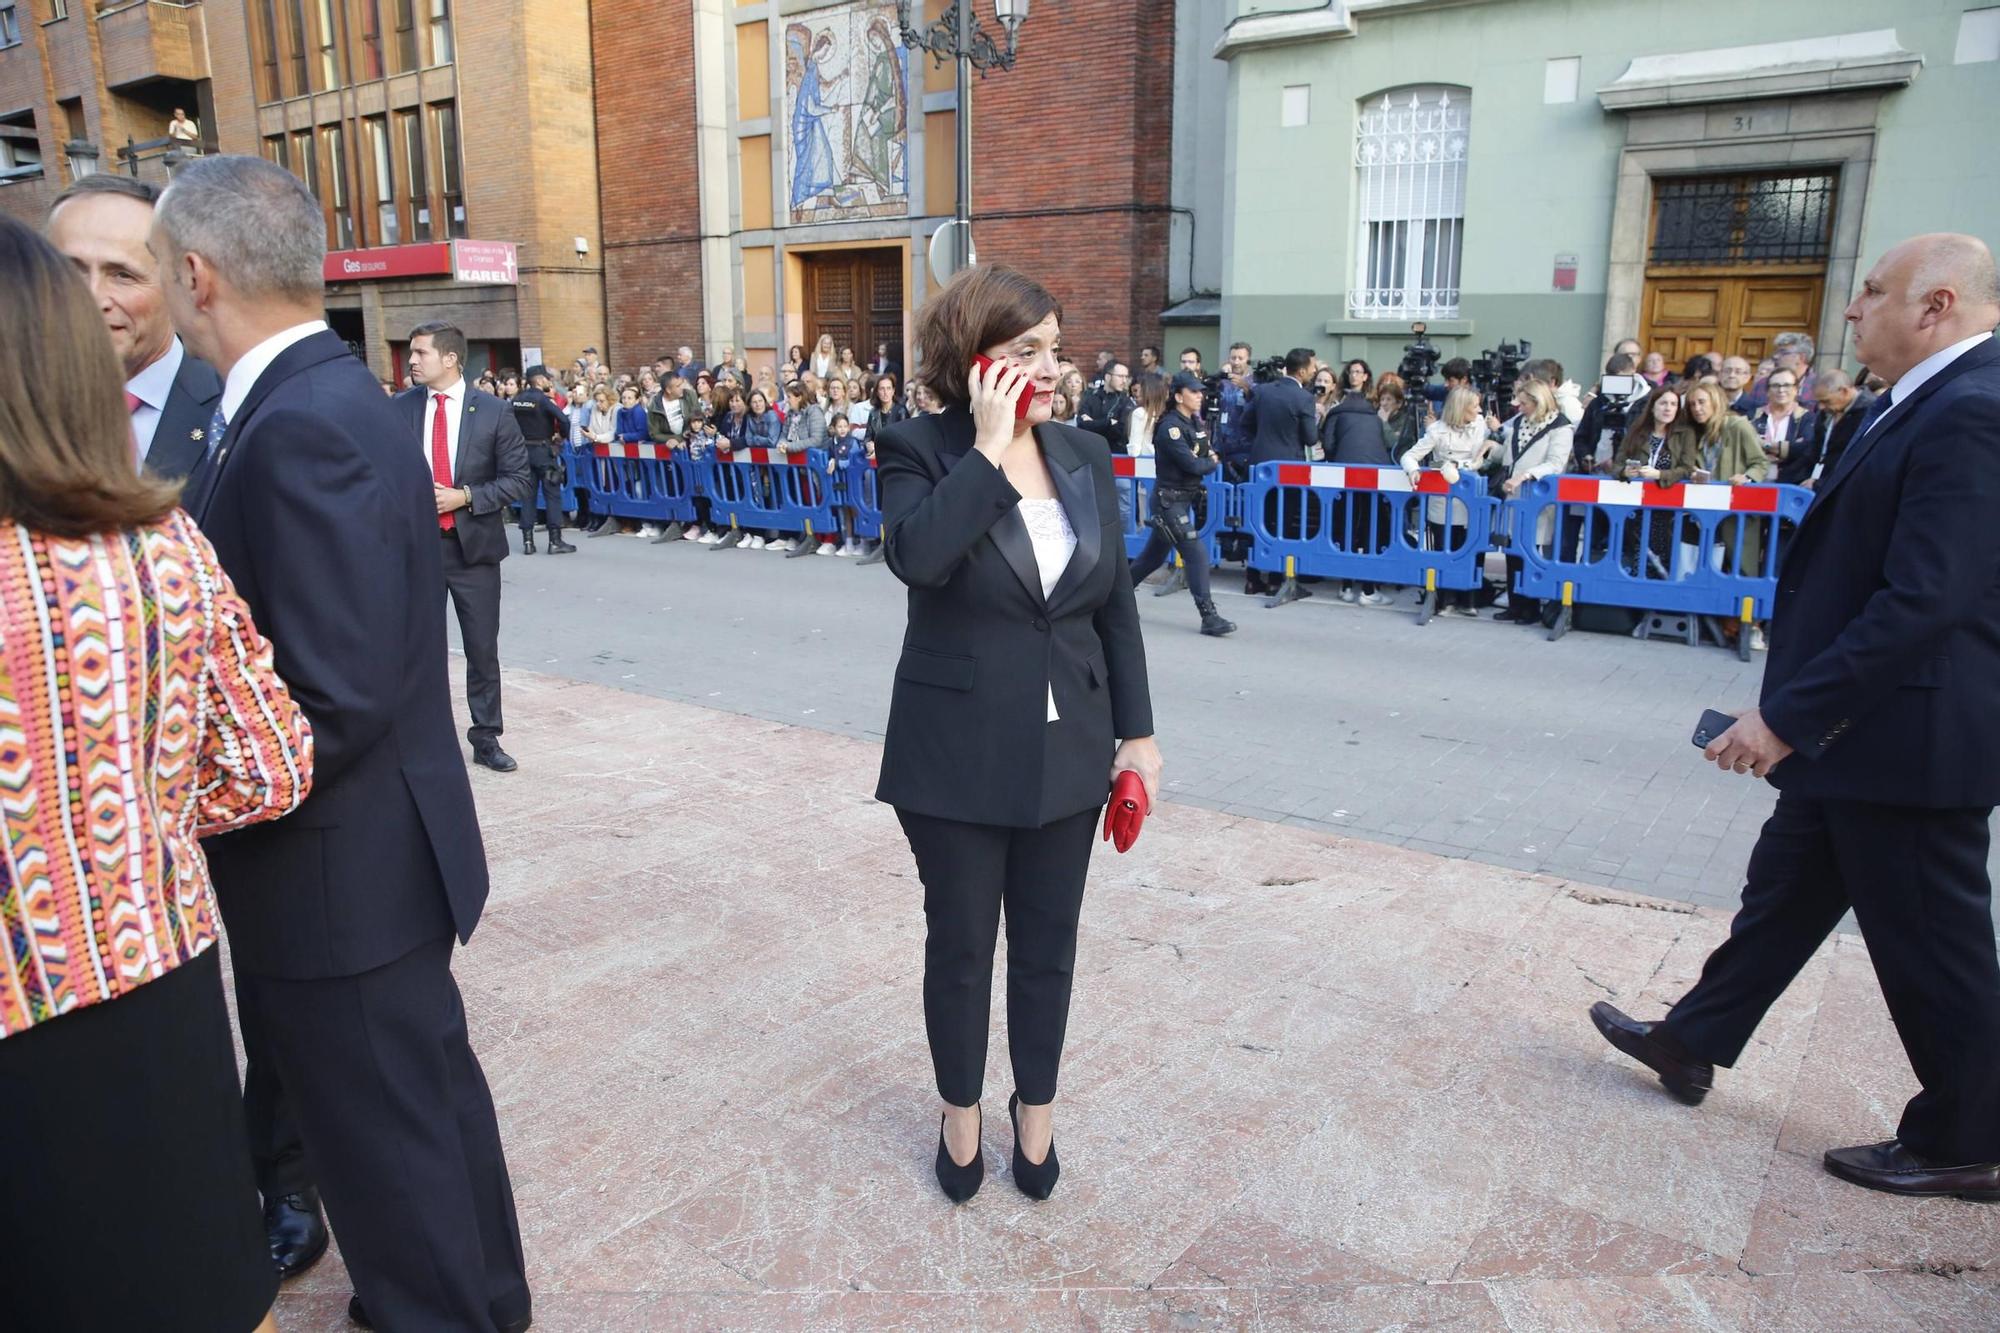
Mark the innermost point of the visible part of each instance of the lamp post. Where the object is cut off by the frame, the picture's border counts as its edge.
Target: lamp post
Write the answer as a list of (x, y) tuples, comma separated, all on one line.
[(955, 35)]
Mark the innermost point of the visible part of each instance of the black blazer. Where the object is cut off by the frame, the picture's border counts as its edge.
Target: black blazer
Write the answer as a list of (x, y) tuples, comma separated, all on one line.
[(969, 736), (322, 514), (1283, 425), (1884, 669), (1352, 433), (492, 463), (181, 437)]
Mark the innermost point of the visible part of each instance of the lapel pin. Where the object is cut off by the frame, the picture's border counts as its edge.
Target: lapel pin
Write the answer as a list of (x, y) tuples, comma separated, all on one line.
[(195, 434)]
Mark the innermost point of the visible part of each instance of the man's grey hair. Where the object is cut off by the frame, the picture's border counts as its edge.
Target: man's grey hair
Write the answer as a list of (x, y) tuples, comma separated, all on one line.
[(1801, 343), (1832, 381), (254, 221), (108, 182)]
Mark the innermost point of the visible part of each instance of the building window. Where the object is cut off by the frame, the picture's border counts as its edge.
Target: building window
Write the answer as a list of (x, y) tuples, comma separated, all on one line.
[(329, 49), (441, 49), (264, 24), (10, 26), (387, 229), (410, 130), (278, 149), (58, 9), (340, 235), (295, 46), (406, 36), (371, 39), (445, 114), (305, 160), (1409, 167), (20, 148), (1743, 219)]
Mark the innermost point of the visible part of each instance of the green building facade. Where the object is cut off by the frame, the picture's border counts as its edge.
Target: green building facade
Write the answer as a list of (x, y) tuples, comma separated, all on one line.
[(1703, 172)]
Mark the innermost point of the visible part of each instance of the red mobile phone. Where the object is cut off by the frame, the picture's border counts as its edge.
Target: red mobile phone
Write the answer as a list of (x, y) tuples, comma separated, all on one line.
[(1021, 404)]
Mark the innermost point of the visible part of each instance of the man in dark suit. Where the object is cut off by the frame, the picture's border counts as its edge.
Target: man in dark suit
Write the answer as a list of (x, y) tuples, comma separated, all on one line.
[(479, 466), (100, 223), (1879, 723), (1283, 427), (1843, 406), (341, 917)]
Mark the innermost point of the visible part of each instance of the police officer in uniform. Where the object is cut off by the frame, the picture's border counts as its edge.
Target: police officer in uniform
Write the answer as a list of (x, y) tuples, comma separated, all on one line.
[(1181, 458), (544, 427)]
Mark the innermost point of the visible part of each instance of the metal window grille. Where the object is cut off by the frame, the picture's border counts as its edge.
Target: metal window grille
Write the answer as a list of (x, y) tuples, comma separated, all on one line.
[(1409, 167), (1743, 219)]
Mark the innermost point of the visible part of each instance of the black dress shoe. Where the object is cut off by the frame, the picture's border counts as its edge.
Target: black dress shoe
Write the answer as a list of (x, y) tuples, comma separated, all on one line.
[(959, 1183), (493, 757), (527, 543), (296, 1229), (557, 546), (358, 1317), (1894, 1169), (1037, 1180), (1684, 1076)]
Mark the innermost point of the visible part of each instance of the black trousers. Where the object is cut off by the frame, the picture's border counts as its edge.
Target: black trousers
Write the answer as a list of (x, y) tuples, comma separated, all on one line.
[(475, 596), (969, 872), (1916, 880), (399, 1131), (544, 491), (1173, 530)]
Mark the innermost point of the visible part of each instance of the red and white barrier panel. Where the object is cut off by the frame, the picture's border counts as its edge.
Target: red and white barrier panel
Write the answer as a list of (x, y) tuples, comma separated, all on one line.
[(1125, 465), (771, 457), (1712, 496), (1428, 482), (654, 452)]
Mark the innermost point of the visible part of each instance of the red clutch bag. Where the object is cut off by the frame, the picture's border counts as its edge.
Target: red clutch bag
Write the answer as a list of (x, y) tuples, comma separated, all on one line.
[(1126, 813)]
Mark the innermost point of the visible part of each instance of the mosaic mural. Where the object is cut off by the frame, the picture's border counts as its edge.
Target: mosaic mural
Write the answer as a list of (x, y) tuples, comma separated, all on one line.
[(846, 116)]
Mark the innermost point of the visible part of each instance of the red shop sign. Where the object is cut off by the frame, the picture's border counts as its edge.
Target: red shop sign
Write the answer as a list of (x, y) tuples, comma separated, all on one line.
[(388, 261)]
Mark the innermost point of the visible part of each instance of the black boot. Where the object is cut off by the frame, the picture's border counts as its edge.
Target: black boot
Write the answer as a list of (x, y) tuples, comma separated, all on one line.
[(557, 546), (527, 541), (1213, 624)]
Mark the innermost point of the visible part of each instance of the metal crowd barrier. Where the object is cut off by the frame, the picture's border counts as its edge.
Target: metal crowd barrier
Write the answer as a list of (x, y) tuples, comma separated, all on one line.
[(1367, 523), (1690, 551)]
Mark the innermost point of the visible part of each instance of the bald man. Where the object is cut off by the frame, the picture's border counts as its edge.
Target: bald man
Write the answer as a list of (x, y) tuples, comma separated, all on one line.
[(1879, 724), (100, 224)]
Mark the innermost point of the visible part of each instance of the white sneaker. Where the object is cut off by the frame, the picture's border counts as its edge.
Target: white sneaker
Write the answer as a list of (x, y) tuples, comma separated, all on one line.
[(824, 548), (649, 529), (709, 538), (1349, 595), (1757, 644), (756, 543), (692, 534), (1376, 599), (844, 550)]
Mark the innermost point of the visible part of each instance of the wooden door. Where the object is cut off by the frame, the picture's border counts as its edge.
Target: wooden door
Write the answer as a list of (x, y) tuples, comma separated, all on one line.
[(1732, 315), (856, 297)]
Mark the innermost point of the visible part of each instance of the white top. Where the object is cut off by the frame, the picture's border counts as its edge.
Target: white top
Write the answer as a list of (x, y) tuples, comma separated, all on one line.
[(151, 387), (1054, 541), (454, 412), (244, 374), (1139, 434), (1915, 377)]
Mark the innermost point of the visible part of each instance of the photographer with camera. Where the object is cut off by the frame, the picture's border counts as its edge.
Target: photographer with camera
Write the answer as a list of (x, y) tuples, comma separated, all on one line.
[(1608, 417), (1229, 392)]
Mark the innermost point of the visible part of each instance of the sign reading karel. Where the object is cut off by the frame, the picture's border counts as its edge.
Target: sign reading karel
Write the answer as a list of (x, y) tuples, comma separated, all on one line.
[(481, 262)]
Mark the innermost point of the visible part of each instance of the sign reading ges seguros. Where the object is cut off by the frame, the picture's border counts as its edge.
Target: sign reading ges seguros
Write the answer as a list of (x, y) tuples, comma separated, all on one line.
[(472, 262)]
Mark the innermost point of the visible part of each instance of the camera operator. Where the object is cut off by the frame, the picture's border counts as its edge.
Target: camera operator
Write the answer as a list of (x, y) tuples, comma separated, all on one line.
[(1608, 417), (1231, 389), (1107, 411), (1182, 458), (1457, 374), (1283, 429)]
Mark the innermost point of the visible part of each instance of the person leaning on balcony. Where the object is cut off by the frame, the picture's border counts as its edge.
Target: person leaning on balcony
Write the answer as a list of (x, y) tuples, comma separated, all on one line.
[(143, 713)]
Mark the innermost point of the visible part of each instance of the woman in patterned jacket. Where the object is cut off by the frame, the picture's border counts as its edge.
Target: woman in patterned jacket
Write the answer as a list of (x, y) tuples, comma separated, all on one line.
[(139, 712)]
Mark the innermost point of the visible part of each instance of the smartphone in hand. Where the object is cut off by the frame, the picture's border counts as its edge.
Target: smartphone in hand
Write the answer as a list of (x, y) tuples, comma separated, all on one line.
[(1712, 725), (1022, 401)]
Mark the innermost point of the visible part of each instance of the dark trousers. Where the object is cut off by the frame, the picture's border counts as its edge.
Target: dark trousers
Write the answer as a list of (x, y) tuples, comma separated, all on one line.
[(276, 1154), (544, 491), (969, 872), (475, 596), (1173, 531), (399, 1132), (1916, 880)]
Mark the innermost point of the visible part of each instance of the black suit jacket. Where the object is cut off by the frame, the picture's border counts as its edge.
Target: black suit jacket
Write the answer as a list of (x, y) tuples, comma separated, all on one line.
[(968, 736), (1352, 433), (1884, 669), (181, 437), (1283, 425), (492, 463), (321, 511)]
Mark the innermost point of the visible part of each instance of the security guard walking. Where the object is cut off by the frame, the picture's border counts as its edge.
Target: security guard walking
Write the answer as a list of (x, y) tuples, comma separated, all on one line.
[(544, 427), (1181, 458)]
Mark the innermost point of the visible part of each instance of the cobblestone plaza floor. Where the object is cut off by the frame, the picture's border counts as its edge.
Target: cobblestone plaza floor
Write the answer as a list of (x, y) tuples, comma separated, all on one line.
[(1313, 1082)]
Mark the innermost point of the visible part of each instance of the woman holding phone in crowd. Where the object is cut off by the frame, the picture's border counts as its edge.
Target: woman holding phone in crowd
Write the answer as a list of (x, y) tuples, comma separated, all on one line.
[(1020, 693)]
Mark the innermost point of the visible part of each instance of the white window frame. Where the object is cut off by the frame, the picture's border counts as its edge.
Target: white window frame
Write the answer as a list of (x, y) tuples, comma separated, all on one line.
[(1409, 175)]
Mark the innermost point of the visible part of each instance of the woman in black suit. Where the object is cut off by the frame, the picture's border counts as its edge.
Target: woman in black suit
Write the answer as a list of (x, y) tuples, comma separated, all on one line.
[(1021, 692)]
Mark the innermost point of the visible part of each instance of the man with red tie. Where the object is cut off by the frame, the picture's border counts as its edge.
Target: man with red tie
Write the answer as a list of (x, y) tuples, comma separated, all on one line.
[(100, 224), (479, 466)]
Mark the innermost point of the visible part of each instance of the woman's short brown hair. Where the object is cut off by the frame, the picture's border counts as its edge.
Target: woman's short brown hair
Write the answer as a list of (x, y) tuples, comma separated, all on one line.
[(986, 304), (66, 464)]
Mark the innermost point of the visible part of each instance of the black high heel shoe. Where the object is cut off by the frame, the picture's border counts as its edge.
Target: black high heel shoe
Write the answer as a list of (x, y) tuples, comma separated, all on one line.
[(1037, 1180), (959, 1183)]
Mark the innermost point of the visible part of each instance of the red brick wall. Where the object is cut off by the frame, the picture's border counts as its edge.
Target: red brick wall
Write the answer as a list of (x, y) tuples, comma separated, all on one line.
[(651, 202), (1078, 134)]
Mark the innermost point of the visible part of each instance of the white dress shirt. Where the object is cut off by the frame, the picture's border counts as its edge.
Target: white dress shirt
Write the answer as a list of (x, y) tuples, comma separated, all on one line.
[(151, 387), (454, 413), (1915, 377), (249, 367), (1054, 542)]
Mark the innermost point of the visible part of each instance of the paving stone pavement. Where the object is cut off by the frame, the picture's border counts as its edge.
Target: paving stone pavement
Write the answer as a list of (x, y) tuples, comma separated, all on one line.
[(1481, 741), (1313, 1081)]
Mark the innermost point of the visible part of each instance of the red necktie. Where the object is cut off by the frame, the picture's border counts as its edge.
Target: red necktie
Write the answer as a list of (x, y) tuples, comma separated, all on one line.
[(441, 458)]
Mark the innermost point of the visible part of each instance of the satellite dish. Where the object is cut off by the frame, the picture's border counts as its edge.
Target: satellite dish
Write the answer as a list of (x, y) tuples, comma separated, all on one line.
[(945, 250)]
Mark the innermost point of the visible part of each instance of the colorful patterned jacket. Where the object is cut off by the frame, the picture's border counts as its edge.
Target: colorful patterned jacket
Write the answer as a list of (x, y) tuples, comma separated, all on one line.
[(138, 712)]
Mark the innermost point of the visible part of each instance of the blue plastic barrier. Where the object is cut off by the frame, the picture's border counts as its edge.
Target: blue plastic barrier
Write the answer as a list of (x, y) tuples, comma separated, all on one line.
[(649, 482), (770, 489), (1697, 550), (1367, 523), (1135, 476)]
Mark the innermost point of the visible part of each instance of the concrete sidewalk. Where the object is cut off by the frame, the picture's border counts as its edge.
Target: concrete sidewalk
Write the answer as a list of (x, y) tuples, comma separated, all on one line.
[(1311, 1082)]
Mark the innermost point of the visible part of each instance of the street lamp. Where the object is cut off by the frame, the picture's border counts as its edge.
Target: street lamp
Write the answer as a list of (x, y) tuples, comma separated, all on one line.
[(956, 36), (82, 155)]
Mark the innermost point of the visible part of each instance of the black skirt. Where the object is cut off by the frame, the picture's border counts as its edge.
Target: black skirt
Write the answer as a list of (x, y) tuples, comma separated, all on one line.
[(128, 1200)]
